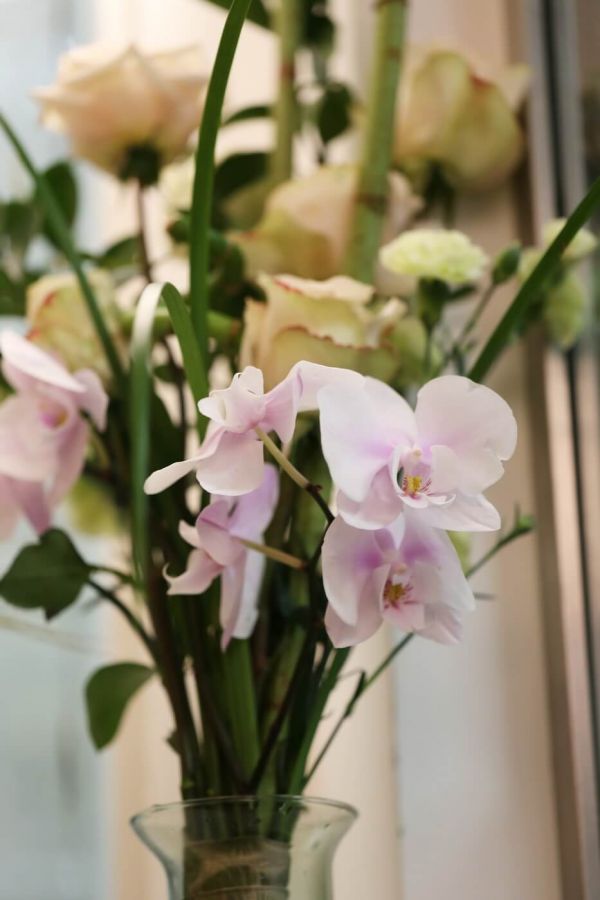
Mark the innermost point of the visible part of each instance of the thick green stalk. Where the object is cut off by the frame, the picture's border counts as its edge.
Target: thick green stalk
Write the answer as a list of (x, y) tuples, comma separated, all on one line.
[(200, 216), (531, 288), (371, 200), (287, 25), (241, 702)]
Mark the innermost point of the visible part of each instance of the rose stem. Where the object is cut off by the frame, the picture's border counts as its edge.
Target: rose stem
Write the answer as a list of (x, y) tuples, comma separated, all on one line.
[(371, 200)]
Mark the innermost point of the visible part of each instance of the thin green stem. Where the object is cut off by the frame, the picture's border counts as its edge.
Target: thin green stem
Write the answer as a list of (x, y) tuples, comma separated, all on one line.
[(459, 344), (129, 616), (273, 553), (363, 685), (200, 216), (287, 25), (517, 531), (371, 201), (328, 683), (531, 288), (142, 232), (64, 239)]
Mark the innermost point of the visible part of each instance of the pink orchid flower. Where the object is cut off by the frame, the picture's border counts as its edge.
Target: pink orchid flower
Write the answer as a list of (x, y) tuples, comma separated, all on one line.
[(43, 436), (407, 575), (230, 460), (384, 458), (217, 539)]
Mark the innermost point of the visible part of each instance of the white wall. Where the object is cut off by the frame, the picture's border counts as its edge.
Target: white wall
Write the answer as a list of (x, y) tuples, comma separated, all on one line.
[(476, 792)]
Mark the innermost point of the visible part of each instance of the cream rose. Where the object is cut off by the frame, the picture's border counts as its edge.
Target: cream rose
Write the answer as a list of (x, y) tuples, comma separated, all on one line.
[(306, 224), (452, 116), (59, 320), (330, 322), (129, 112)]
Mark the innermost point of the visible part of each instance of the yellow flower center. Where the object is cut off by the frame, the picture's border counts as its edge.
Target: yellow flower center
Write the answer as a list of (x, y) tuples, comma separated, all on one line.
[(412, 484), (396, 591)]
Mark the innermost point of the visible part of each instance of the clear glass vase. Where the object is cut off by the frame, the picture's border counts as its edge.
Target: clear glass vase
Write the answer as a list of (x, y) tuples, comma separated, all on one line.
[(246, 848)]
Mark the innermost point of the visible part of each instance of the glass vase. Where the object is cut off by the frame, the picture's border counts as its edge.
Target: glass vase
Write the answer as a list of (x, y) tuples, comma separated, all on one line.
[(247, 848)]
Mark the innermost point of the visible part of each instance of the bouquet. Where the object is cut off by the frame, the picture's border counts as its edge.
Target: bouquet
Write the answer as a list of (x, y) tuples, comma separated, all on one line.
[(296, 439)]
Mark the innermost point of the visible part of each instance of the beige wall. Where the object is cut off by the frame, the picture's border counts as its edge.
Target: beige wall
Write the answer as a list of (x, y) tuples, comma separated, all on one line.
[(469, 743)]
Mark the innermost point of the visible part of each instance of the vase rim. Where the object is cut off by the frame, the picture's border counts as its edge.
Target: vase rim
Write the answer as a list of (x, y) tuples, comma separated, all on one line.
[(312, 802)]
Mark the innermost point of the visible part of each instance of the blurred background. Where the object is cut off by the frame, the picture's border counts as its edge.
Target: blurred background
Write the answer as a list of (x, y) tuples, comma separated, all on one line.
[(474, 769)]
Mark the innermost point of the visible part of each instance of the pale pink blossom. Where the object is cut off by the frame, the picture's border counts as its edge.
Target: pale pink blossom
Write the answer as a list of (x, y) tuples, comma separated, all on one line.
[(386, 458), (230, 460), (218, 550), (407, 575), (43, 436)]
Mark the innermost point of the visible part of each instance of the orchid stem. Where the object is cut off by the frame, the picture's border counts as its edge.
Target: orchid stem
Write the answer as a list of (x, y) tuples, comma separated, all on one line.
[(291, 470), (278, 555)]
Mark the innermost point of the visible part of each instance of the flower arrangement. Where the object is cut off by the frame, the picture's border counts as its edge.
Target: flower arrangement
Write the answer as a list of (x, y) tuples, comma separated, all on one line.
[(292, 439)]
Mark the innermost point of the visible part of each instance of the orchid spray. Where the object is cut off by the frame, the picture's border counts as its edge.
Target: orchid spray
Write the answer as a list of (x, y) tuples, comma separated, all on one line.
[(276, 515)]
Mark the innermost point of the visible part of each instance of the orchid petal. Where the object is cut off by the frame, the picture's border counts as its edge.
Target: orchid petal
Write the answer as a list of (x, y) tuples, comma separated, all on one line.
[(358, 433), (240, 585), (72, 458), (253, 512), (239, 407), (212, 526), (95, 399), (235, 468), (33, 503), (163, 478), (472, 420), (200, 573), (464, 513), (25, 366), (350, 557), (381, 506)]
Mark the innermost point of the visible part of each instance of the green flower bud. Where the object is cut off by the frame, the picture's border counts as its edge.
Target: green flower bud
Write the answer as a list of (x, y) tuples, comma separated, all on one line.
[(507, 264), (564, 310)]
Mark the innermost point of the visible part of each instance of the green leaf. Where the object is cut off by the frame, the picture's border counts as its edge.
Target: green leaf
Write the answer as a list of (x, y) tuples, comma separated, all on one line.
[(61, 181), (334, 112), (12, 296), (531, 288), (248, 112), (140, 406), (107, 695), (120, 255), (237, 171), (48, 575), (60, 227), (257, 13), (20, 222), (195, 368), (203, 194)]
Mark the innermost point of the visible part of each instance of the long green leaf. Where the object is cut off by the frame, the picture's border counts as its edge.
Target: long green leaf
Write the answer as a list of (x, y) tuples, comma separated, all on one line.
[(193, 363), (140, 403), (62, 237), (205, 171), (257, 13), (530, 289)]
